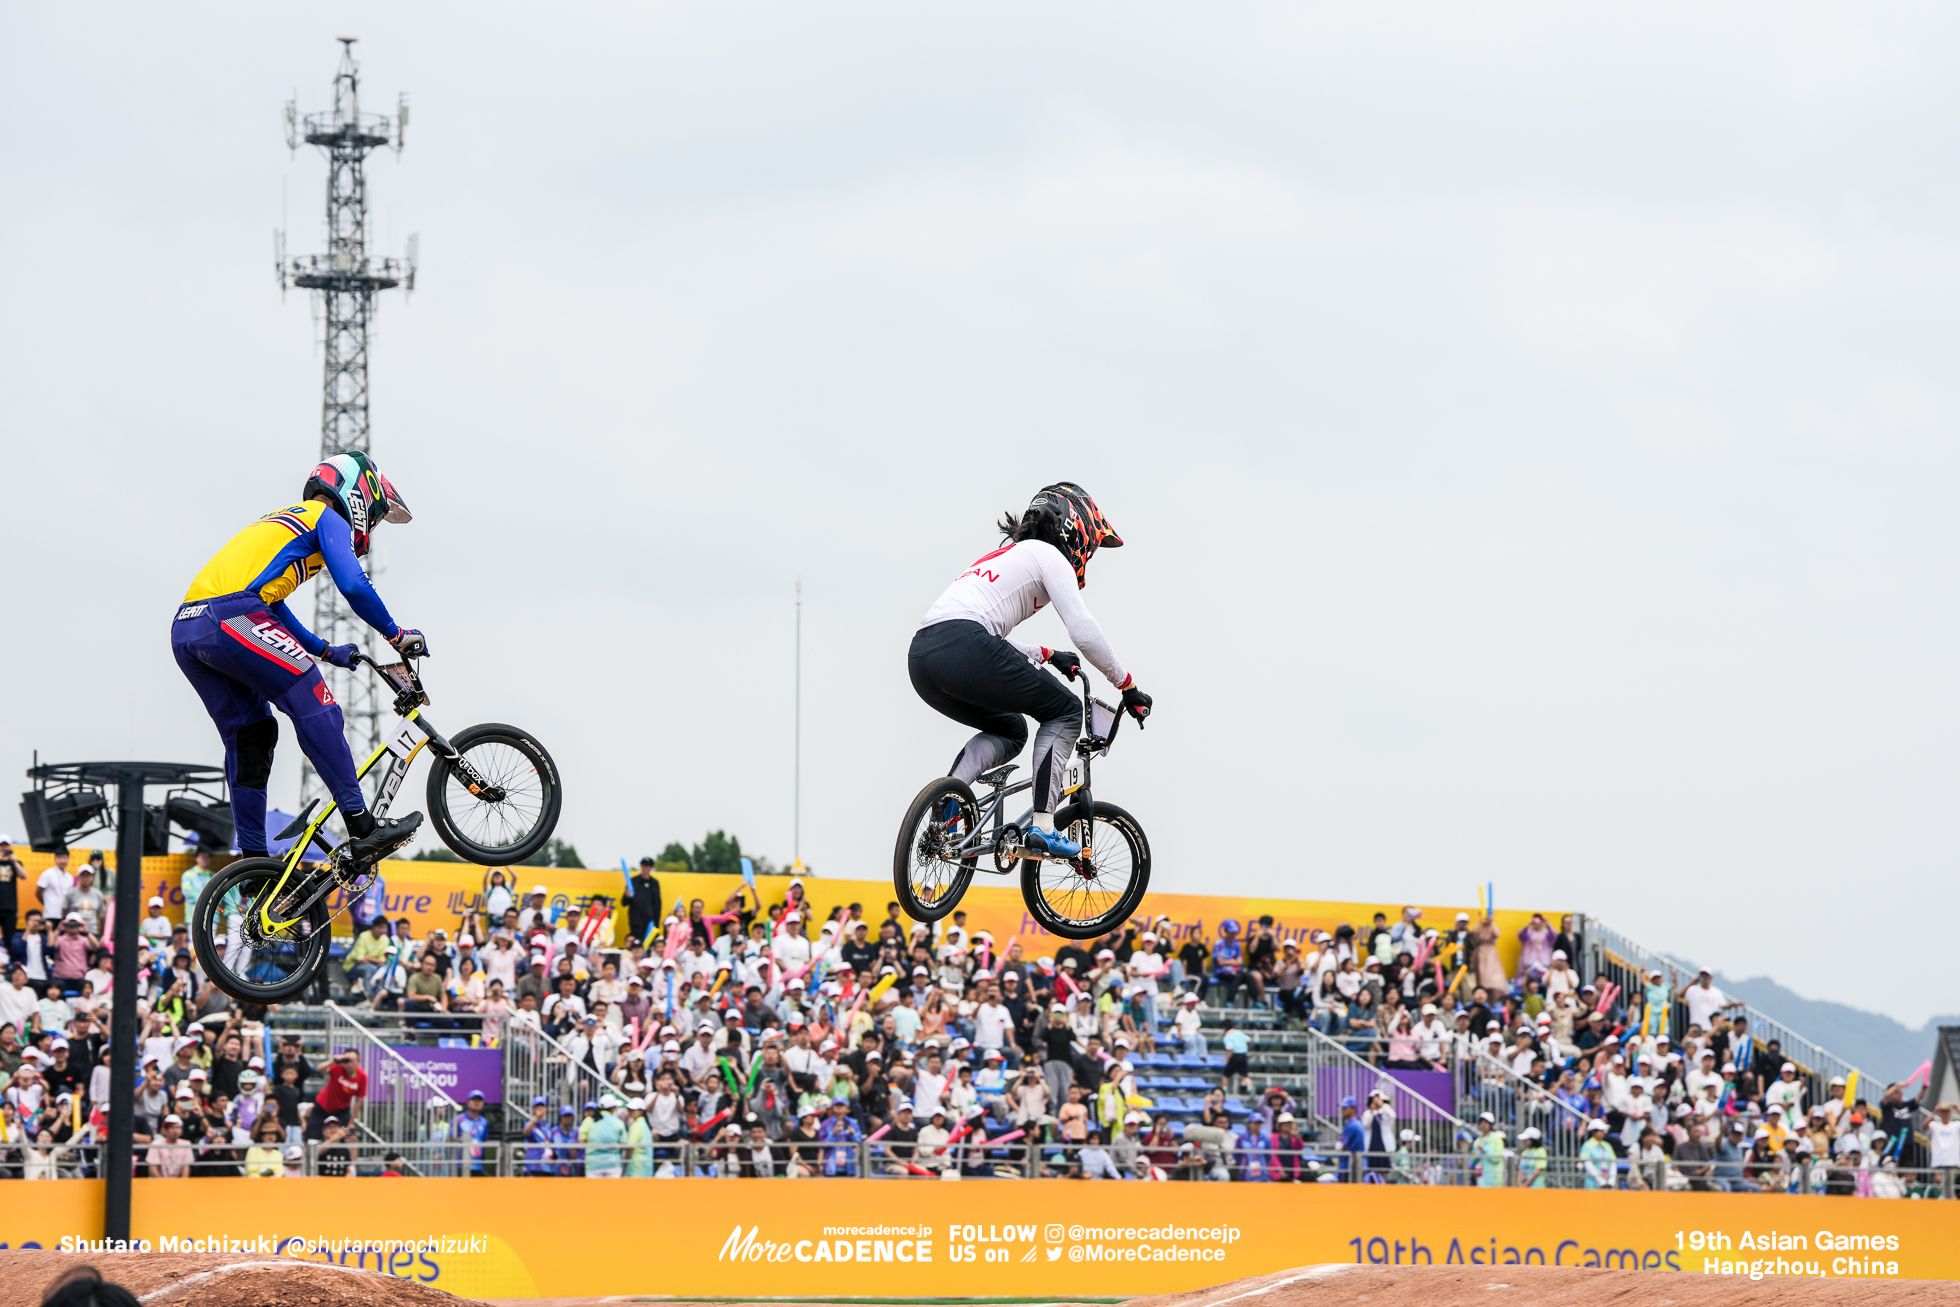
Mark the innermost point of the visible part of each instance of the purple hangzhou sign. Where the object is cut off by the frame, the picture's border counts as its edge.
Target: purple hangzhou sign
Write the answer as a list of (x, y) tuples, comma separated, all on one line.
[(1333, 1083), (458, 1072)]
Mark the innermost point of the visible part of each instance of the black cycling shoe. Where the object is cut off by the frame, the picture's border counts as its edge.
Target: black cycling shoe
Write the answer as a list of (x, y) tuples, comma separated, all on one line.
[(370, 841)]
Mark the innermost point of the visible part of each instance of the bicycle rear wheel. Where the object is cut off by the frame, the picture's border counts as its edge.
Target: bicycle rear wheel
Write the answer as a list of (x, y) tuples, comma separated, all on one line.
[(232, 946), (1093, 894), (928, 883), (512, 816)]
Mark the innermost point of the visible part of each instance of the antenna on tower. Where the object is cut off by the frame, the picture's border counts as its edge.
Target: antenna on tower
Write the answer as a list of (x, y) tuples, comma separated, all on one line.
[(344, 281)]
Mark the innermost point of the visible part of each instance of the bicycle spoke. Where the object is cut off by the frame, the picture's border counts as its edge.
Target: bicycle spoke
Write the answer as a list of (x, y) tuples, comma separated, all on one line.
[(933, 874), (244, 953), (1073, 896), (501, 823)]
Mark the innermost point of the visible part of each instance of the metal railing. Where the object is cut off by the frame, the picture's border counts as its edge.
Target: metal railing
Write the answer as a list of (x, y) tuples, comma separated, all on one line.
[(1626, 963), (51, 1161), (1485, 1084), (452, 1157), (1333, 1073), (1198, 1156), (403, 1105), (538, 1066)]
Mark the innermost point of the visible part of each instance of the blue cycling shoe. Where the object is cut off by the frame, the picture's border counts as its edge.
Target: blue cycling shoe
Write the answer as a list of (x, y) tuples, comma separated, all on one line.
[(950, 814), (1051, 843)]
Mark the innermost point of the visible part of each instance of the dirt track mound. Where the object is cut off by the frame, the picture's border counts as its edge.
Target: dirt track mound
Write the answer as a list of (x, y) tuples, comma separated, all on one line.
[(1343, 1285), (181, 1280)]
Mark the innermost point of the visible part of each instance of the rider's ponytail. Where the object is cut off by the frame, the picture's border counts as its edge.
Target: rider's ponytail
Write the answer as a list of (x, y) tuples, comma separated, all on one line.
[(1038, 523)]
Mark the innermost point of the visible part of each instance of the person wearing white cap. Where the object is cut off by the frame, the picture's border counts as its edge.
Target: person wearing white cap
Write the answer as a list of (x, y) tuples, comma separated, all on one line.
[(1409, 1143), (534, 915), (1560, 978), (1704, 1001), (1432, 1035), (929, 1084), (168, 1156), (1489, 1147), (1534, 1160), (1126, 1145), (1597, 1159), (1190, 1026), (1943, 1137), (1704, 1072), (993, 1023), (790, 947), (156, 927), (502, 960), (1148, 967), (1787, 1092), (697, 964), (639, 1140)]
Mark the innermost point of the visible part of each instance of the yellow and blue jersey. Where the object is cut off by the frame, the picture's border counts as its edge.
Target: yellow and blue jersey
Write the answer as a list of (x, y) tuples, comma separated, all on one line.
[(276, 554)]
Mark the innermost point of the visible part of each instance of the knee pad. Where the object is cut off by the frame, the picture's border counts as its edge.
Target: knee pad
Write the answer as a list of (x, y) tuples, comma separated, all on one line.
[(254, 744)]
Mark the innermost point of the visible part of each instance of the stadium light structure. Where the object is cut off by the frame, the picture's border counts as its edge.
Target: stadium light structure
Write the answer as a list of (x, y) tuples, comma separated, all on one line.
[(210, 822), (53, 818), (65, 789), (66, 804)]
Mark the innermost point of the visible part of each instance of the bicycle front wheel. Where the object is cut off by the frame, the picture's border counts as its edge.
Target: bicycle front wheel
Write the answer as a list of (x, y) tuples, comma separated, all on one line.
[(235, 950), (928, 879), (1095, 893), (512, 811)]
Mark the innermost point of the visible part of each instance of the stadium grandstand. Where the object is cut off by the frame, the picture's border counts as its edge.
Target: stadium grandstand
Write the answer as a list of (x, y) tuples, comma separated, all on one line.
[(780, 1040)]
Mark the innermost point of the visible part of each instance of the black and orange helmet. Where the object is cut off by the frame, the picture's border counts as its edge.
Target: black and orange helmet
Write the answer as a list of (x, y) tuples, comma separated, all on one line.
[(1083, 527)]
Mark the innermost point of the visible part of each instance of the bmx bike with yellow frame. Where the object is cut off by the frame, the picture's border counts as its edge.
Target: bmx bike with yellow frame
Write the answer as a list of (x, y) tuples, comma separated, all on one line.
[(263, 925)]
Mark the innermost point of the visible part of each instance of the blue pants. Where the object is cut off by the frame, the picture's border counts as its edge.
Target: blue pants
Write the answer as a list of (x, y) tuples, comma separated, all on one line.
[(242, 662)]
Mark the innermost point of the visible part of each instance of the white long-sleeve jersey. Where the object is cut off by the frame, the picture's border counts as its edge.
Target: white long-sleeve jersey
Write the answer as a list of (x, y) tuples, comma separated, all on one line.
[(1010, 585)]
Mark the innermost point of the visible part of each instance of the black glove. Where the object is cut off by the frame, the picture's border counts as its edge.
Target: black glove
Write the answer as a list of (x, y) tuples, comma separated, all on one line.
[(1136, 703), (1065, 661), (410, 644)]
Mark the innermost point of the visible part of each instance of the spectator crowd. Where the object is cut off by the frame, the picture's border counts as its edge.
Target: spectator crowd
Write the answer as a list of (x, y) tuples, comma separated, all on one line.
[(775, 1040)]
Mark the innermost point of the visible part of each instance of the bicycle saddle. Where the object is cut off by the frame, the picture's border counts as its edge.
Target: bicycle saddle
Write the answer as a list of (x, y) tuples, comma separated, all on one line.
[(998, 776)]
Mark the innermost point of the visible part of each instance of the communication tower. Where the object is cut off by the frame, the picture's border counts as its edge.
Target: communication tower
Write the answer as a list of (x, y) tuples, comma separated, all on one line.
[(344, 281)]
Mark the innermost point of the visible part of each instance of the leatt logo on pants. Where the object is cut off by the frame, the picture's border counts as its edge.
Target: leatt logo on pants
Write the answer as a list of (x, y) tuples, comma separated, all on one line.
[(275, 636), (263, 635), (322, 693)]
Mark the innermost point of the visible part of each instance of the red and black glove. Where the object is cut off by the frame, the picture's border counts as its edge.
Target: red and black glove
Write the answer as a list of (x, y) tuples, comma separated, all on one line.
[(1065, 661)]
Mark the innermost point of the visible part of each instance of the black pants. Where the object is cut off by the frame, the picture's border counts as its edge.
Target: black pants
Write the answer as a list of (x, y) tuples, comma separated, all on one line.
[(968, 673)]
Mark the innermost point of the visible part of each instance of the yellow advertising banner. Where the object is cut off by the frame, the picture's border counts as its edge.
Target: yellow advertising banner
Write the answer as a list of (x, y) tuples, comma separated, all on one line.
[(436, 894), (995, 906), (1054, 1239), (429, 894)]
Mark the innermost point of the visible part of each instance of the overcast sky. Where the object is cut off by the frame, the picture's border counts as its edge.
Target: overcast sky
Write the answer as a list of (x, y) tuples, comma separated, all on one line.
[(1533, 425)]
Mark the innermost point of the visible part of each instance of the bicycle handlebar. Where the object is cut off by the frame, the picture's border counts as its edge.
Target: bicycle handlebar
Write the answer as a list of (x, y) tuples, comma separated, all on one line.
[(414, 685)]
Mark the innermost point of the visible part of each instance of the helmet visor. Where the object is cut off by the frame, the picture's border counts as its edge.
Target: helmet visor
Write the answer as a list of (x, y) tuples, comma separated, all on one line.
[(396, 508)]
